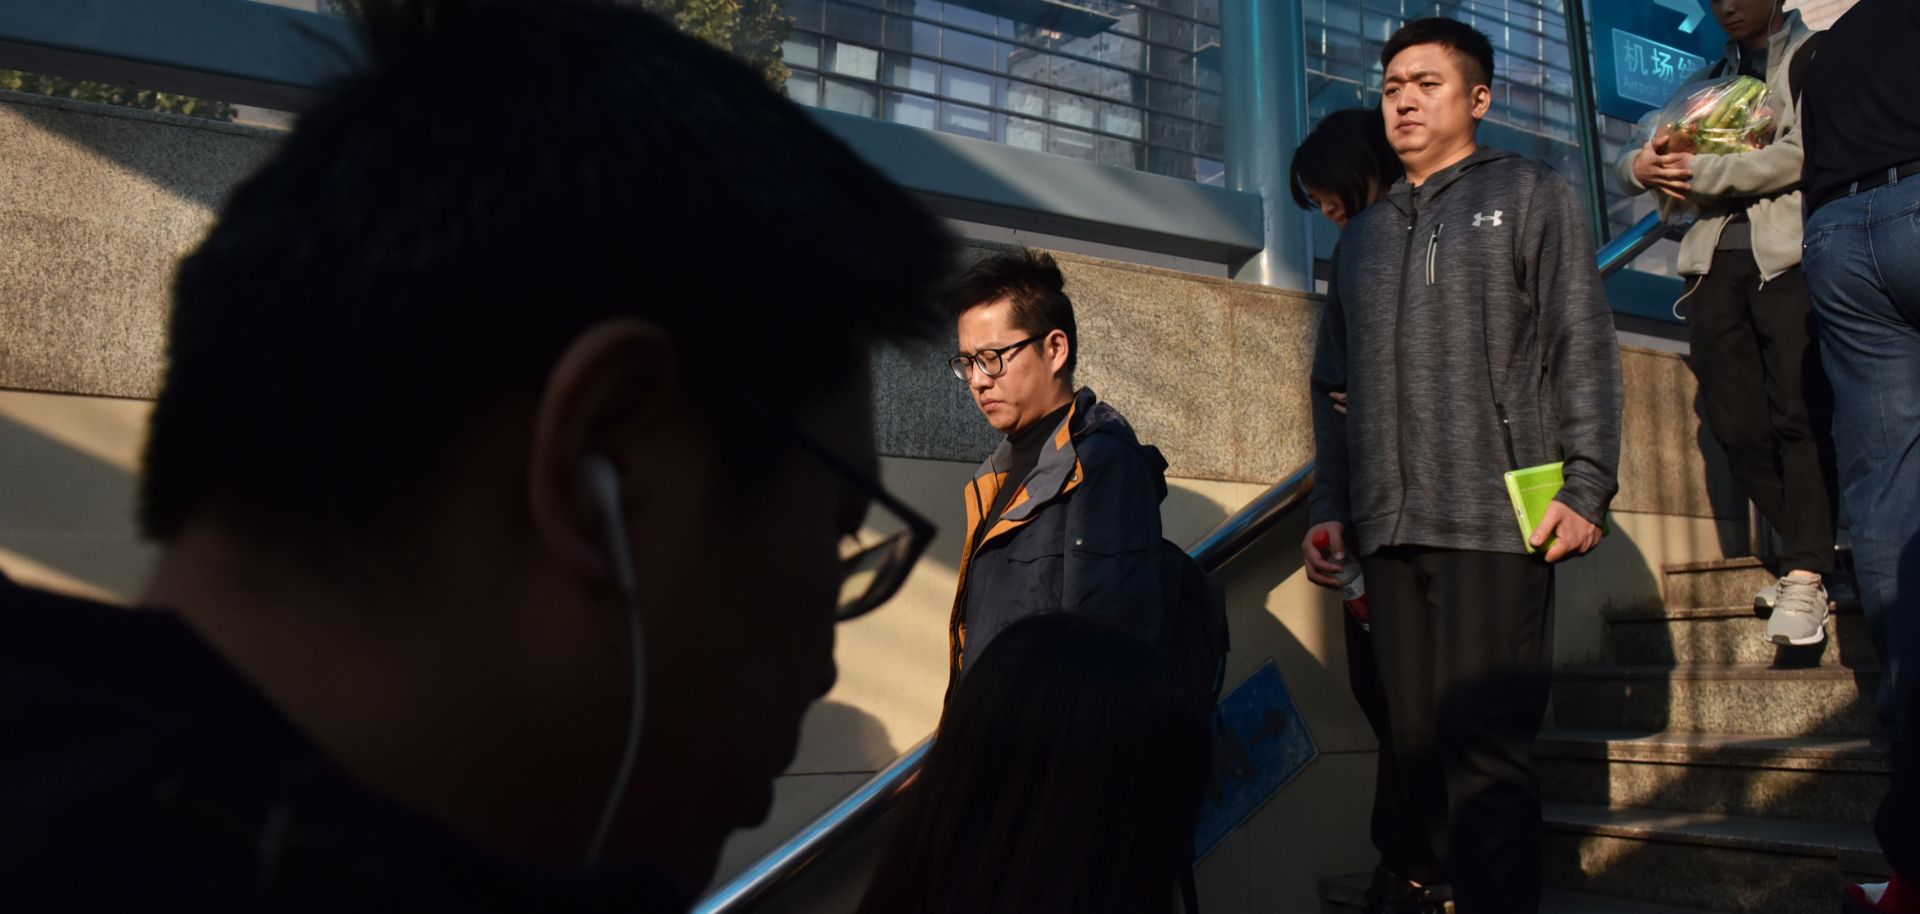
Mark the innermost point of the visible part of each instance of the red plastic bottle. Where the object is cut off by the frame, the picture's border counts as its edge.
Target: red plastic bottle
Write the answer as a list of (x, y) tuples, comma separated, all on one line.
[(1353, 587)]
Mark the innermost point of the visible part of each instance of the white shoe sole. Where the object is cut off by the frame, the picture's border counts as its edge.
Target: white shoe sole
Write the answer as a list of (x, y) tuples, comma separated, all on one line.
[(1817, 637)]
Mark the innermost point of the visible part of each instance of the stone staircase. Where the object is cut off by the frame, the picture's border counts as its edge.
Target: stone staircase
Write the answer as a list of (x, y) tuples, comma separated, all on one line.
[(1705, 769)]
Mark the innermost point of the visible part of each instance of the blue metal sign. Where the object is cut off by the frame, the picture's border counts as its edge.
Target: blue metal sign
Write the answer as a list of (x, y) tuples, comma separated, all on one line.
[(1264, 746), (1643, 51)]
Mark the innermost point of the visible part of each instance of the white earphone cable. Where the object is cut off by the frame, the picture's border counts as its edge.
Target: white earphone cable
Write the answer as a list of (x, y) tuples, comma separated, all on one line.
[(607, 487)]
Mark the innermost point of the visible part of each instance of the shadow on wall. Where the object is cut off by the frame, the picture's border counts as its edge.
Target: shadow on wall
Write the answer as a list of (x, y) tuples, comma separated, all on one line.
[(854, 741), (861, 743), (66, 517)]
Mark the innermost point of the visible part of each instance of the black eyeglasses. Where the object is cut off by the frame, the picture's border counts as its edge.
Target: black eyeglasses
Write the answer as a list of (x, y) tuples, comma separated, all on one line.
[(991, 362), (874, 561)]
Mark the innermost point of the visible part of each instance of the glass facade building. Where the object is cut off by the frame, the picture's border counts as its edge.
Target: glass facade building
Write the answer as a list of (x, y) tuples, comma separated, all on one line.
[(1135, 85)]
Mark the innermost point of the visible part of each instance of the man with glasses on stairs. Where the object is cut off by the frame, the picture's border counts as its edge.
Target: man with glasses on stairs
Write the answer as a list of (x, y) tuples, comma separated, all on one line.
[(503, 520), (1065, 514)]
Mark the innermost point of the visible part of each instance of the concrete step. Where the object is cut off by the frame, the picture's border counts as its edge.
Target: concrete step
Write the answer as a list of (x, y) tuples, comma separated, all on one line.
[(1718, 698), (1727, 582), (1731, 582), (1711, 862), (1818, 779), (1731, 634), (1346, 894)]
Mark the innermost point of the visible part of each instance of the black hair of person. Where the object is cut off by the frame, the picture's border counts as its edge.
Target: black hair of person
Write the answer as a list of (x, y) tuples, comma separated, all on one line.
[(1031, 280), (432, 235), (1066, 778), (1469, 45), (1347, 155)]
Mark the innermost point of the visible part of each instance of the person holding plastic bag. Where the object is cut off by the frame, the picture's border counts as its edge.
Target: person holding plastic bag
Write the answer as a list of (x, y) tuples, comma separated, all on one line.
[(1728, 150)]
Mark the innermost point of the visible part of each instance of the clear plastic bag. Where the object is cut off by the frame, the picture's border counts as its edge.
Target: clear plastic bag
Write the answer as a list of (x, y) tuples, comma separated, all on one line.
[(1724, 117)]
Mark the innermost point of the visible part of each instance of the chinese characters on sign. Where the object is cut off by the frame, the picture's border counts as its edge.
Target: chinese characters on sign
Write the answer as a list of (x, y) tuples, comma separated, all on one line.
[(1647, 71)]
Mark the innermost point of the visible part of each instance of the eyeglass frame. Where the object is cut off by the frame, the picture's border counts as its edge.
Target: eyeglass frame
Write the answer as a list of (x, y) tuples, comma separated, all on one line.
[(999, 352), (907, 549)]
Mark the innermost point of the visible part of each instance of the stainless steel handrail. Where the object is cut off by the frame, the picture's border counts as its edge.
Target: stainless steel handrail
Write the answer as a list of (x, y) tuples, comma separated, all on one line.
[(867, 802), (1632, 243), (828, 830)]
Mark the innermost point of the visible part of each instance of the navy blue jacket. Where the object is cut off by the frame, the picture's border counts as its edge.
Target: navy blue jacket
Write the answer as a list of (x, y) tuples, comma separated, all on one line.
[(1081, 534), (139, 772)]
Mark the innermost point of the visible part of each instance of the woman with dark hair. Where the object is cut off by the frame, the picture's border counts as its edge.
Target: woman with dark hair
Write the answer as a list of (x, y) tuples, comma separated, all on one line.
[(1067, 778), (1344, 166)]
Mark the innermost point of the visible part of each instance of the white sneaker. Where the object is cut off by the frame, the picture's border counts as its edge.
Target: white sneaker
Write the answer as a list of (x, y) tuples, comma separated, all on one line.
[(1799, 612)]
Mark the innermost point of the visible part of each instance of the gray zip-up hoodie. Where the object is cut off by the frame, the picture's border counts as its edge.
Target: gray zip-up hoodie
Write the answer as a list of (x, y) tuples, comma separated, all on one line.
[(1472, 295)]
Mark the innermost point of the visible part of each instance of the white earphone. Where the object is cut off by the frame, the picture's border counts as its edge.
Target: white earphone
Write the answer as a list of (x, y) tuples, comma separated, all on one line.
[(604, 482)]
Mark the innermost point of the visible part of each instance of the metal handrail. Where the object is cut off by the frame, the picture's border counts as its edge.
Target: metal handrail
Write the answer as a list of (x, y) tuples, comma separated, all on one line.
[(1632, 243), (832, 828)]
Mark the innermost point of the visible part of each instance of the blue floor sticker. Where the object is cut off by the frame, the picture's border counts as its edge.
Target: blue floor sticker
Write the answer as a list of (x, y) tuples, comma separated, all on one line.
[(1264, 746)]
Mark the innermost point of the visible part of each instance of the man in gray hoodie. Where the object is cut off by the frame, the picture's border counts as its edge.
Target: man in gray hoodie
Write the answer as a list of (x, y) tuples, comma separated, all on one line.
[(1467, 324), (1750, 320)]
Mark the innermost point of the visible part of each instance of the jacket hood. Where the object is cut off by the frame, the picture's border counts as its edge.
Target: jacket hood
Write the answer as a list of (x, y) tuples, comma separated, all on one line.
[(1401, 193)]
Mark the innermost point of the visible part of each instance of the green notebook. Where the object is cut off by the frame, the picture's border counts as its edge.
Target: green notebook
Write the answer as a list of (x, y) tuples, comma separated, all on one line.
[(1532, 490)]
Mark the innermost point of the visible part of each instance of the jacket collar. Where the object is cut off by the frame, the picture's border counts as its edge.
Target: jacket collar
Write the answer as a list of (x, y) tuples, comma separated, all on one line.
[(1054, 472), (1401, 193)]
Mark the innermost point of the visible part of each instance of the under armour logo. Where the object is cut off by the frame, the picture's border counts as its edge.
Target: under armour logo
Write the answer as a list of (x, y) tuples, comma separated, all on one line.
[(1480, 220)]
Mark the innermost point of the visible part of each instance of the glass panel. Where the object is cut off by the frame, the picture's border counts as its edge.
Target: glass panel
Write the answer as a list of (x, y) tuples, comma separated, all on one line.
[(1121, 119), (1025, 98), (804, 88), (839, 95), (860, 24), (966, 121), (855, 61), (912, 110), (966, 86), (1024, 133), (971, 50), (802, 51), (1071, 109), (1076, 144), (913, 73)]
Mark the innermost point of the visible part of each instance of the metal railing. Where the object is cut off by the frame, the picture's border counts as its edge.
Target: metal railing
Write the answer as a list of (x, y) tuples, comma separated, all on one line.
[(1632, 243), (867, 802)]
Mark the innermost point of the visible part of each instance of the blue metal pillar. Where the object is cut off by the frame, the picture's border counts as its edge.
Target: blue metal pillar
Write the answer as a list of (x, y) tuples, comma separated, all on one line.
[(1264, 58)]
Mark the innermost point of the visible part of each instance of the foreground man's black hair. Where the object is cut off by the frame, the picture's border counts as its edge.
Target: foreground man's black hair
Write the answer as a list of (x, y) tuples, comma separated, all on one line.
[(501, 176)]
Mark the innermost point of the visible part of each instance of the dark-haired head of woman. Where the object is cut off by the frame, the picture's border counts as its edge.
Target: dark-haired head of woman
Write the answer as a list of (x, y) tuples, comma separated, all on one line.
[(1345, 165), (1067, 778)]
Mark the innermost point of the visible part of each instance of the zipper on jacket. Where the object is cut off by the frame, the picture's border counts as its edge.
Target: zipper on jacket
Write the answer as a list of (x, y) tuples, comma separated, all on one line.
[(1399, 369), (1433, 247)]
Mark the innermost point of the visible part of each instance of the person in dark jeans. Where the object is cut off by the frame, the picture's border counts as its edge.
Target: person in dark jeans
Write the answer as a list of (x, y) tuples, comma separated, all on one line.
[(1749, 319), (1344, 166), (1862, 181), (1468, 325)]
